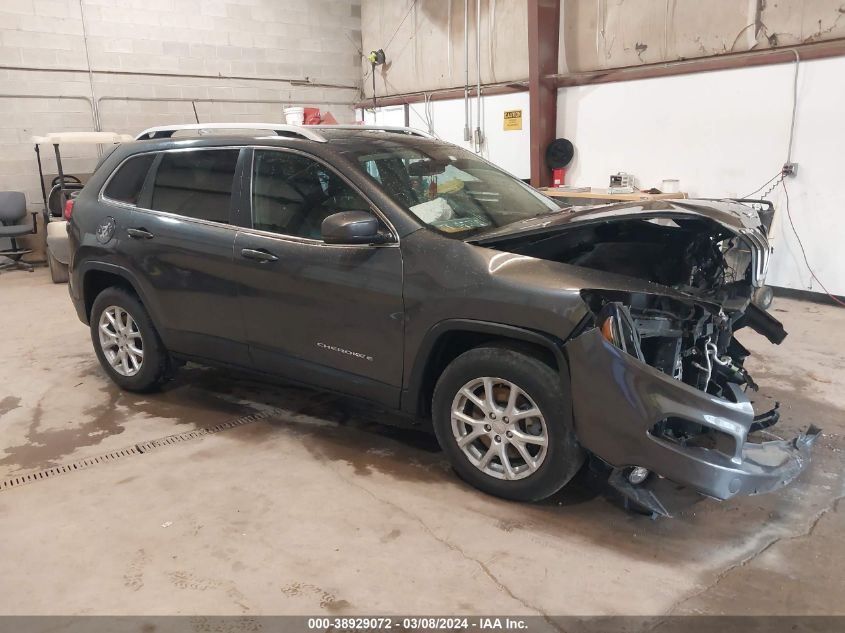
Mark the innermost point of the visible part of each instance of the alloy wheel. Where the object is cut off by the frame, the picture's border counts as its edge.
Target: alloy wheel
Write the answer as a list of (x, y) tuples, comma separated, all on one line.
[(121, 341), (499, 428)]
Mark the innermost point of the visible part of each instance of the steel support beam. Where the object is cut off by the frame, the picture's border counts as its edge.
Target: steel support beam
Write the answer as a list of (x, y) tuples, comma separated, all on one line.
[(725, 61), (543, 28)]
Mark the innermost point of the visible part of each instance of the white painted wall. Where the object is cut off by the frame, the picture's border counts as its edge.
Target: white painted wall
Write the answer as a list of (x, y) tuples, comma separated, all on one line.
[(508, 149), (724, 134), (423, 41), (720, 133), (239, 55)]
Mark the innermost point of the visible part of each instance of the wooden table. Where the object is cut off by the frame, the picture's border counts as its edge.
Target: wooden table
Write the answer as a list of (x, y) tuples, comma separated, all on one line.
[(598, 196)]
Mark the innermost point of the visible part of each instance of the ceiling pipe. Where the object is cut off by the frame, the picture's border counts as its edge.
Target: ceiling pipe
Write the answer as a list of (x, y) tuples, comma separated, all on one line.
[(89, 101), (97, 125), (479, 137), (445, 94), (467, 135), (299, 83), (722, 61)]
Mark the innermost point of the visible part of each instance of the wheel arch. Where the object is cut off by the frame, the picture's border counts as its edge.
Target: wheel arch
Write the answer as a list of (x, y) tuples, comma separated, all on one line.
[(446, 340), (97, 276)]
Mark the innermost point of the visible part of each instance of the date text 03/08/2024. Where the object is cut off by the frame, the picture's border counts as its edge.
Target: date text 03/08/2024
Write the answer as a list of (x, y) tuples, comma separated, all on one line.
[(411, 623)]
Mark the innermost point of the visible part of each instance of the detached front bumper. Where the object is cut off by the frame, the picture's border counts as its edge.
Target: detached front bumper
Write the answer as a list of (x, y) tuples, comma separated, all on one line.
[(618, 401)]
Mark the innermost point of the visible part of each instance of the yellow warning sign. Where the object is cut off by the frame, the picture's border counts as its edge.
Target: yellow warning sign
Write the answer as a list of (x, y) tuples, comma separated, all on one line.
[(513, 120)]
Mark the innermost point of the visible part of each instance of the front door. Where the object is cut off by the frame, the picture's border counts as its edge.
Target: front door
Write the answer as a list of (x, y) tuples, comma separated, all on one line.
[(329, 315)]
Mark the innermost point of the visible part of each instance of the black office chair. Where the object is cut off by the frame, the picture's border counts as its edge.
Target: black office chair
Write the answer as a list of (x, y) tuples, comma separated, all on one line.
[(12, 215)]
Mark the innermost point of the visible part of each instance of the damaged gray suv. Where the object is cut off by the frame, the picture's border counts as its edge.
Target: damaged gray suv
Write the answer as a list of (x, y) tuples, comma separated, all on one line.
[(385, 264)]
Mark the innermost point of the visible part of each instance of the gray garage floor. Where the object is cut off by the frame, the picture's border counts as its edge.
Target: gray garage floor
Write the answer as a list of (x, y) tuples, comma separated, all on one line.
[(316, 507)]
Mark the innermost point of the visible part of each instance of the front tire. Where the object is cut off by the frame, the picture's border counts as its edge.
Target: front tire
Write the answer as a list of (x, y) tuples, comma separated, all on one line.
[(126, 342), (503, 419)]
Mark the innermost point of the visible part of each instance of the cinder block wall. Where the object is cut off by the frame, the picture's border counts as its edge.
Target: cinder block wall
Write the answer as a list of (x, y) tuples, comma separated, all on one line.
[(238, 60)]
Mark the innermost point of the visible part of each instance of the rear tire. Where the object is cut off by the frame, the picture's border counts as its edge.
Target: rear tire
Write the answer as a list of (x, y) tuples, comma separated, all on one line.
[(526, 450), (58, 270), (126, 342)]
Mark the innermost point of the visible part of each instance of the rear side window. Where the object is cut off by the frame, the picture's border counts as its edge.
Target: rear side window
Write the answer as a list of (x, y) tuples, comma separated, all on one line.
[(196, 184), (125, 185)]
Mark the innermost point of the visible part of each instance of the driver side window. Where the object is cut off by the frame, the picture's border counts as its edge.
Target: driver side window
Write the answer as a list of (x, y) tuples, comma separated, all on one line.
[(292, 194)]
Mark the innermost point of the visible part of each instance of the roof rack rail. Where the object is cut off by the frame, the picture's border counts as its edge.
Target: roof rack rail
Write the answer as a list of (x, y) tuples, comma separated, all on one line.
[(282, 129), (379, 128)]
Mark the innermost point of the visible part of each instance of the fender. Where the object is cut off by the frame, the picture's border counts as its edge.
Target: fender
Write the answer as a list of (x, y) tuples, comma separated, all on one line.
[(416, 378)]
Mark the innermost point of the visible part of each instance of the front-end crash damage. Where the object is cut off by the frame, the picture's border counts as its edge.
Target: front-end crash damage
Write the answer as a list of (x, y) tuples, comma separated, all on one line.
[(633, 414), (659, 383)]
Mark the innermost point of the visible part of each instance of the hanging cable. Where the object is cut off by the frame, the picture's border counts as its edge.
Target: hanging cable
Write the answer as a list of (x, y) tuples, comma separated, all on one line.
[(774, 186), (491, 39), (804, 252), (405, 17), (371, 57), (780, 179), (478, 138), (467, 123), (794, 104), (788, 160), (429, 116), (776, 176)]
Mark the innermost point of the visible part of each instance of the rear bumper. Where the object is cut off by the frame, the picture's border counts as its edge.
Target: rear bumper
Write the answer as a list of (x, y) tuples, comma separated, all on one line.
[(75, 291), (618, 400), (79, 306)]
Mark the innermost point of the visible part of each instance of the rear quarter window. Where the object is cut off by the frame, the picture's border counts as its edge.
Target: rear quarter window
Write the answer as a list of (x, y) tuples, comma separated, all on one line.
[(196, 183), (125, 185)]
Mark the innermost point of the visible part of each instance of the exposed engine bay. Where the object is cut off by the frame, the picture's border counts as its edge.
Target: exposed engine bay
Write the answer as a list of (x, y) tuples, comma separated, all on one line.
[(694, 255), (660, 392), (688, 342)]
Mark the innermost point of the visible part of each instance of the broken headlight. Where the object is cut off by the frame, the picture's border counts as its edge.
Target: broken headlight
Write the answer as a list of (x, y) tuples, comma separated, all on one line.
[(617, 327)]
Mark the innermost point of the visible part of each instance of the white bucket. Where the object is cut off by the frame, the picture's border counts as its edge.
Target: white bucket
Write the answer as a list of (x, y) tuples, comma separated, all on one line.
[(294, 115)]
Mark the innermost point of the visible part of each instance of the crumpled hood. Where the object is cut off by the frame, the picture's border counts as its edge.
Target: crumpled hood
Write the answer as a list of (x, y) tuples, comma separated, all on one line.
[(734, 216), (743, 220)]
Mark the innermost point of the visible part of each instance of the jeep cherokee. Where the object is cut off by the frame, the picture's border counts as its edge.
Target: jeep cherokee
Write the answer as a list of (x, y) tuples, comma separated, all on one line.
[(389, 265)]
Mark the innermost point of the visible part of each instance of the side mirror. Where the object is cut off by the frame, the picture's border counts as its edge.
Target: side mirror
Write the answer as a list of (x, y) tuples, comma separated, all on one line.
[(351, 227)]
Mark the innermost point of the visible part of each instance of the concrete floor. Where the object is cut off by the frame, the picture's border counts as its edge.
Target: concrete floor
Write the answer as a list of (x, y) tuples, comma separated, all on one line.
[(319, 508)]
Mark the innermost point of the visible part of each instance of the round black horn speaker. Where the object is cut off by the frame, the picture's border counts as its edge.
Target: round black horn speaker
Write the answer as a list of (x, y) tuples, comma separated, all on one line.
[(559, 153)]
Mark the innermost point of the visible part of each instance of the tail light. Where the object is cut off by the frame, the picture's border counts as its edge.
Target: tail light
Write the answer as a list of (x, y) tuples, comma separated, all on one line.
[(68, 209)]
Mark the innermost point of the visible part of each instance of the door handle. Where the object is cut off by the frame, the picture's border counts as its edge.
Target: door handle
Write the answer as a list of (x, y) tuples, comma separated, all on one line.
[(259, 255), (139, 234)]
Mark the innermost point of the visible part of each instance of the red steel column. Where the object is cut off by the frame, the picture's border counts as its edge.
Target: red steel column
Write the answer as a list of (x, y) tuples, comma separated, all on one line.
[(543, 28)]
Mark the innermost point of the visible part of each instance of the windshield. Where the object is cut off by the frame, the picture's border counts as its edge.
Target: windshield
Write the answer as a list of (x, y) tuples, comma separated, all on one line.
[(451, 189)]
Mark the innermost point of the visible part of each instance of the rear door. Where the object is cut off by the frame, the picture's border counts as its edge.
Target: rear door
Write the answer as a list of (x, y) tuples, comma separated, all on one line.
[(328, 315), (180, 241)]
